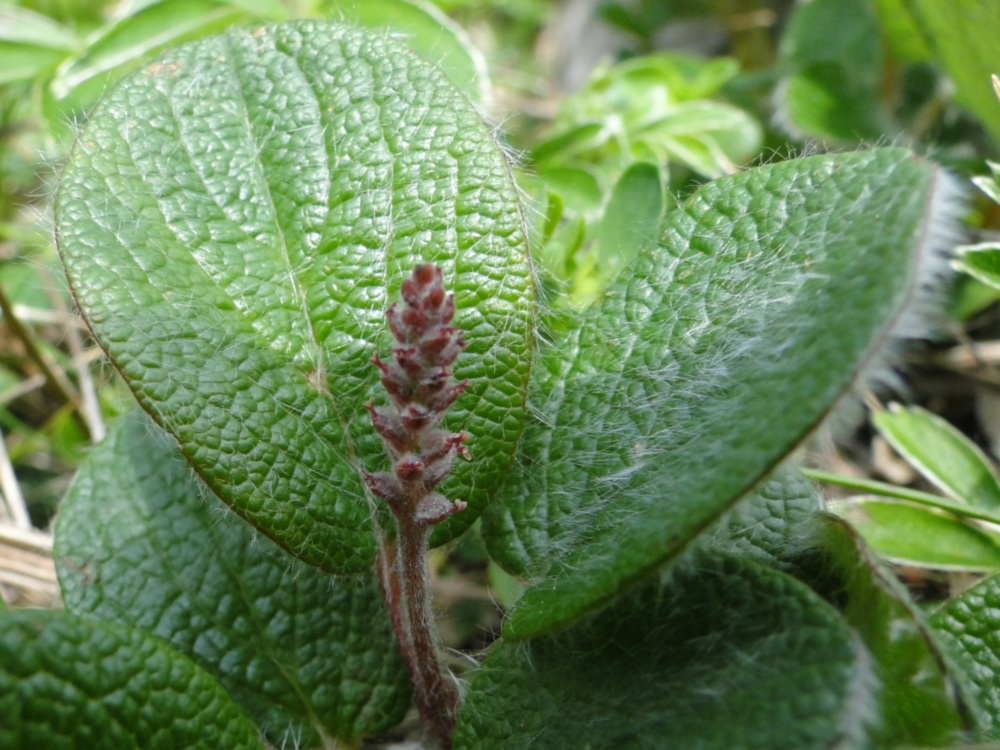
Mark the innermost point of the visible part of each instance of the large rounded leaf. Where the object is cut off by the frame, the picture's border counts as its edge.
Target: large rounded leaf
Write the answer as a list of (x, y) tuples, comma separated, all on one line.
[(709, 359), (305, 654), (67, 682), (234, 221), (728, 654)]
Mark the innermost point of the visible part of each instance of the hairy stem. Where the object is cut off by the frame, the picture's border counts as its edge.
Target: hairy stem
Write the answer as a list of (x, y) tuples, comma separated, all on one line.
[(434, 691)]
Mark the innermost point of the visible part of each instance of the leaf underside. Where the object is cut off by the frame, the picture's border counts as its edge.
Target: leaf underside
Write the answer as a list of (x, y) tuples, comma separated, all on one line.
[(234, 220), (704, 364), (140, 541)]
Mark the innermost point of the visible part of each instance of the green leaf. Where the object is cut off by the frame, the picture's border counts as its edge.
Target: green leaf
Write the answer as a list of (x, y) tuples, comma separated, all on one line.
[(727, 654), (567, 143), (710, 137), (578, 188), (778, 524), (971, 298), (305, 655), (884, 489), (561, 252), (30, 43), (901, 32), (814, 102), (67, 682), (631, 222), (922, 536), (962, 36), (773, 524), (990, 185), (234, 245), (969, 626), (647, 418), (430, 33), (25, 26), (942, 454), (981, 262), (831, 53), (125, 44), (650, 108), (920, 702), (273, 10)]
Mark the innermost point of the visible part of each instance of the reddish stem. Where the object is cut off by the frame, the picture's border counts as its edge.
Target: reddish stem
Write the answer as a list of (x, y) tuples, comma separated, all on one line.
[(403, 574), (434, 691)]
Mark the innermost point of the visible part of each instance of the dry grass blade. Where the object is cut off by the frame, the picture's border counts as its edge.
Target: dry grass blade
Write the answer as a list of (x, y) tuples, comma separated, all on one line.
[(27, 571)]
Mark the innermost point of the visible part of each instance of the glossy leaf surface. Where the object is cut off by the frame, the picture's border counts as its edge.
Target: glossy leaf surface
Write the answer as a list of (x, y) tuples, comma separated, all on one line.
[(982, 262), (429, 32), (941, 453), (234, 222), (922, 536)]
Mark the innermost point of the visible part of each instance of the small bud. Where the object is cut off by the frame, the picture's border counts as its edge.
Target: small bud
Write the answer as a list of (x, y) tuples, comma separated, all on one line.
[(434, 472), (425, 274), (416, 321), (416, 417), (435, 508), (430, 386), (439, 443), (387, 487), (396, 324), (435, 297), (441, 346), (408, 358), (446, 397), (409, 468), (408, 291), (388, 424)]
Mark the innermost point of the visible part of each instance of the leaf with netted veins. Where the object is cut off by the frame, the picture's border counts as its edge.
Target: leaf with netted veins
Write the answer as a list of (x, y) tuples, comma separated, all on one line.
[(235, 218), (708, 360), (140, 541), (922, 697), (969, 625), (773, 523), (70, 682), (727, 654)]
